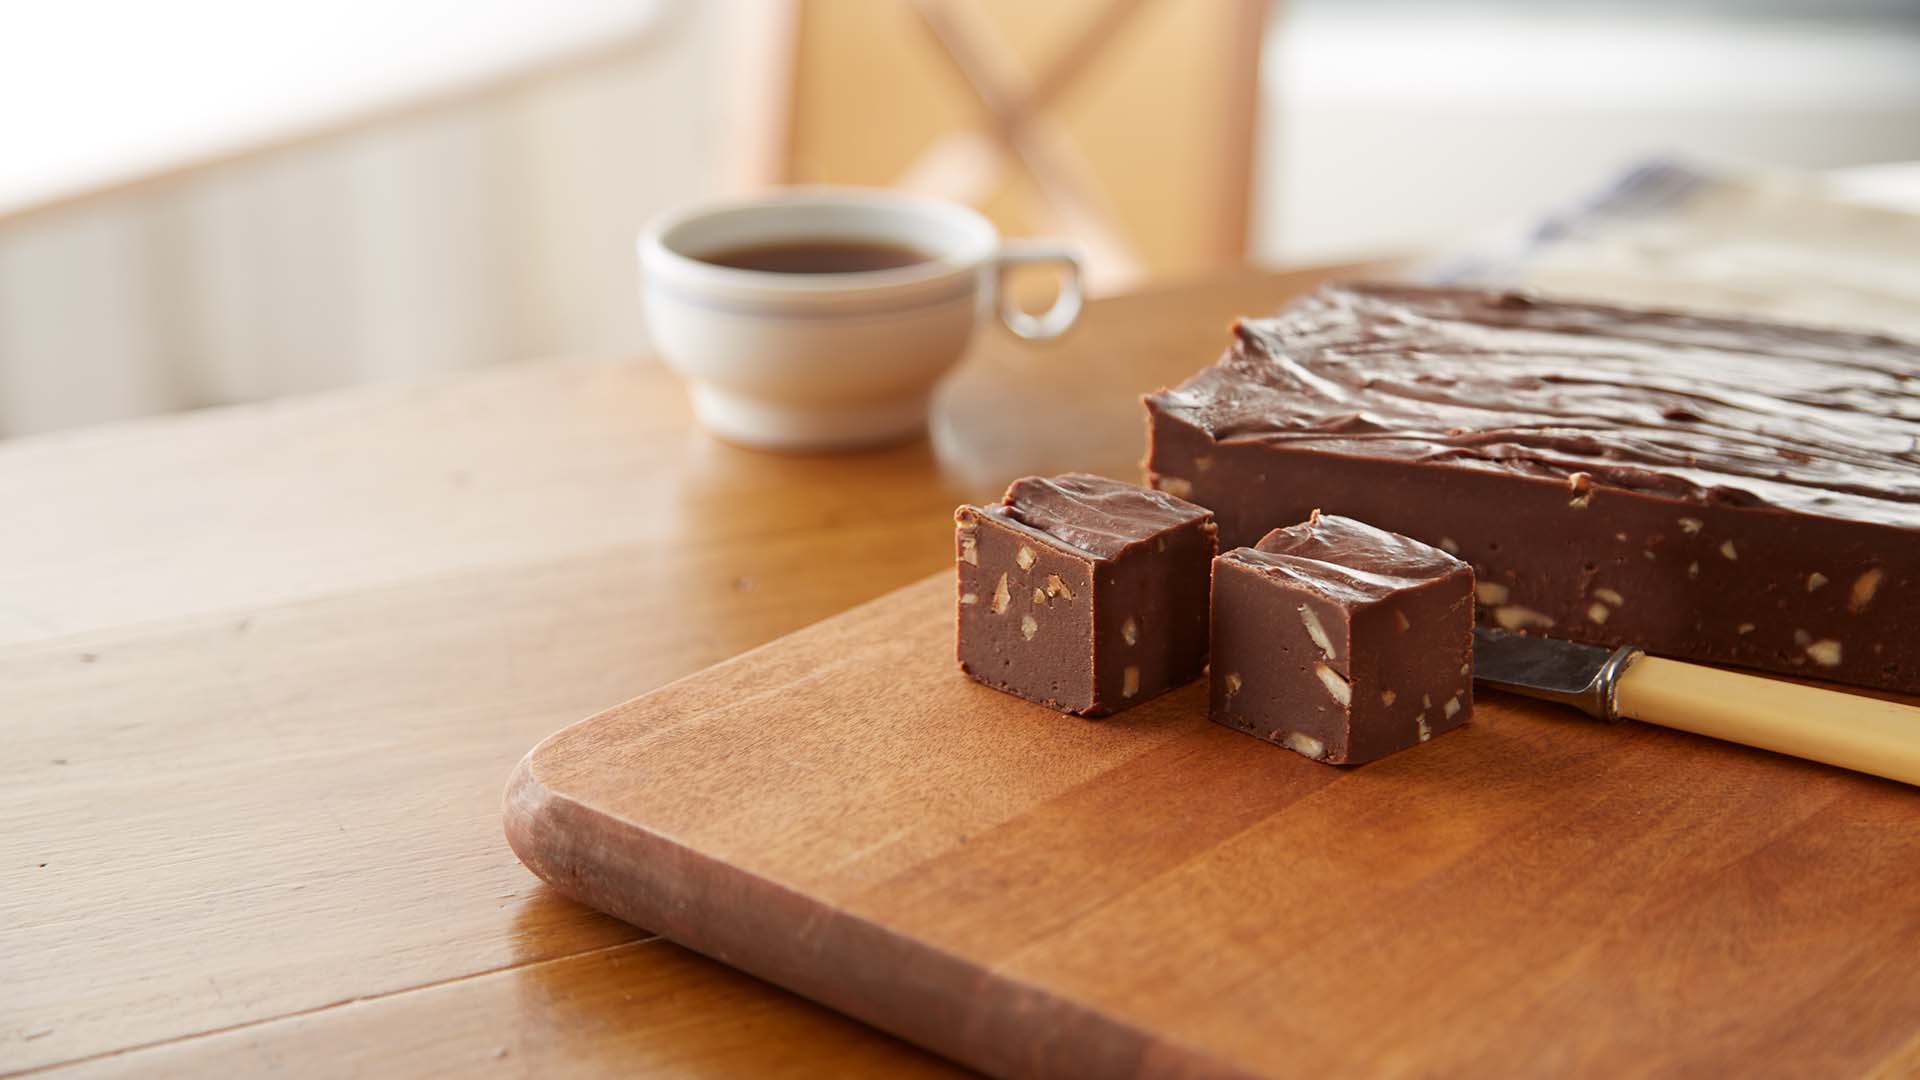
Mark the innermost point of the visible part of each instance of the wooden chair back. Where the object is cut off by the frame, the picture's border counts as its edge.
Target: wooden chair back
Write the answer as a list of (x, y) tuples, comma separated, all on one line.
[(1125, 125)]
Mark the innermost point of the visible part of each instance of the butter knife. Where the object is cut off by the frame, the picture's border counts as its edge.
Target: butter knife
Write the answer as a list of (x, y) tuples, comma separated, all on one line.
[(1852, 731)]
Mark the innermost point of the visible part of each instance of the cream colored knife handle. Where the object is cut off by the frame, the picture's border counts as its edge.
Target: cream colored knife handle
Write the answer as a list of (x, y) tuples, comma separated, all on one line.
[(1849, 730)]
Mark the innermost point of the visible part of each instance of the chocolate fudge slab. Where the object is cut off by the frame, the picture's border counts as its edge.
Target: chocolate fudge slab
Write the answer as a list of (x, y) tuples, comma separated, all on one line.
[(1341, 641), (1084, 594), (1714, 489)]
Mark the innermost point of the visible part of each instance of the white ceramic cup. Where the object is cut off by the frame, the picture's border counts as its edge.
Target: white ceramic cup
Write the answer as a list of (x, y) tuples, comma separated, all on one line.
[(799, 361)]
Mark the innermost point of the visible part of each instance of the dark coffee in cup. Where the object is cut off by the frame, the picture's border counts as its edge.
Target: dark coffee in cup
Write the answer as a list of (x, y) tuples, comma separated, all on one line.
[(823, 256)]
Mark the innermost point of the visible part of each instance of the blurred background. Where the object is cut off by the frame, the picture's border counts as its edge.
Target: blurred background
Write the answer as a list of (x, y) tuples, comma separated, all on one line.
[(213, 201)]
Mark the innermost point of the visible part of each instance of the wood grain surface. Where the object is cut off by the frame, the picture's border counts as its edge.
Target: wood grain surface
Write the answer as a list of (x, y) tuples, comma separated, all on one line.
[(264, 671), (842, 812)]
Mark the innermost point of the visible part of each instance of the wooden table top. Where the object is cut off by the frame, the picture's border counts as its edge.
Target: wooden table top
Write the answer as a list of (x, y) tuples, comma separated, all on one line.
[(264, 672)]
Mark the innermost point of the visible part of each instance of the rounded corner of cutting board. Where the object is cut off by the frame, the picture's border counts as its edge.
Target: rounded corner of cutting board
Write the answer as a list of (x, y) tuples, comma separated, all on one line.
[(526, 813), (536, 818)]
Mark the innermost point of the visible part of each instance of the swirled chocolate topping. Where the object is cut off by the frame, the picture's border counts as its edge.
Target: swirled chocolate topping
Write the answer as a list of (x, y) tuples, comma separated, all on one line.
[(1348, 561), (1094, 514), (1712, 410)]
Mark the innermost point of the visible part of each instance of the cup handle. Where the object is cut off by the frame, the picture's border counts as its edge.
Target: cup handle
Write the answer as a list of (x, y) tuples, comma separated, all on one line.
[(1057, 319)]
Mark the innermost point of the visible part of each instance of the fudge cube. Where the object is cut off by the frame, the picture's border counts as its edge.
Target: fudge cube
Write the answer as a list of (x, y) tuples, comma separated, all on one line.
[(1341, 641), (1084, 594)]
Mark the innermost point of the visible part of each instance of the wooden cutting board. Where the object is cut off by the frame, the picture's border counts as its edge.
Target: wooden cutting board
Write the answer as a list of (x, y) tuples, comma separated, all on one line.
[(842, 813)]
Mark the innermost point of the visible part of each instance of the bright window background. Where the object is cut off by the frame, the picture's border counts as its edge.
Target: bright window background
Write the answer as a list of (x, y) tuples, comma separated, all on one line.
[(94, 92), (1415, 125)]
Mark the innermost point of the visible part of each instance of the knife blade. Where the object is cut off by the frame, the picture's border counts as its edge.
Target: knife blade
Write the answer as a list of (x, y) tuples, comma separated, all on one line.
[(1567, 672), (1853, 731)]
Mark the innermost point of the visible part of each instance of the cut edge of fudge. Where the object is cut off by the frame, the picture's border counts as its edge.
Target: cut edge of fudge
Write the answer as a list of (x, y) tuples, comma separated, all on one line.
[(1342, 642), (1073, 571)]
